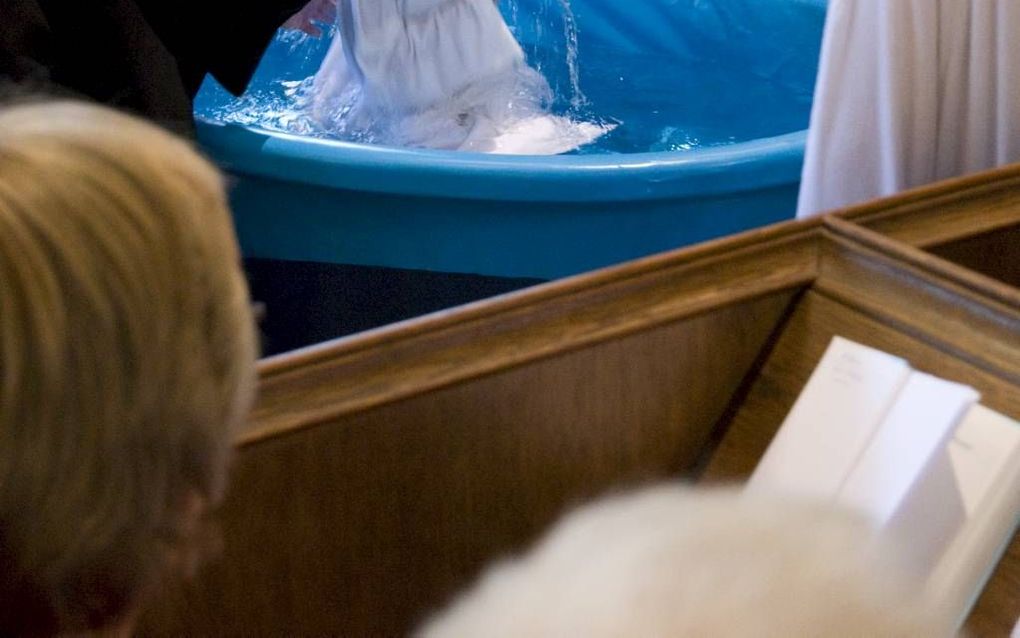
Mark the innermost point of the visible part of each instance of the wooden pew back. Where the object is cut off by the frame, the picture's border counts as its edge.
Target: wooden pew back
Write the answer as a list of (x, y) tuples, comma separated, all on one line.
[(381, 472)]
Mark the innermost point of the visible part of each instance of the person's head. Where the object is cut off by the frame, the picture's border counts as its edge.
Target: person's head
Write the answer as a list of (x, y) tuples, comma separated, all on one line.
[(126, 357), (678, 562)]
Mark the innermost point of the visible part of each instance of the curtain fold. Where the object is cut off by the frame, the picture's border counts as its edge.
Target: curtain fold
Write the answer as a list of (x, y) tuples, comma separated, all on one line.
[(910, 92)]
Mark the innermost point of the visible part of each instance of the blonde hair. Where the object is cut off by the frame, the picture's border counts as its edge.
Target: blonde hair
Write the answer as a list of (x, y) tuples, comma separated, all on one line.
[(678, 562), (126, 355)]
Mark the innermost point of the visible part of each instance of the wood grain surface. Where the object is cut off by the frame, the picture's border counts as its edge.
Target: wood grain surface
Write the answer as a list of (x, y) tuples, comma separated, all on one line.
[(418, 356), (946, 211), (902, 301), (971, 316), (361, 525), (382, 471), (994, 253)]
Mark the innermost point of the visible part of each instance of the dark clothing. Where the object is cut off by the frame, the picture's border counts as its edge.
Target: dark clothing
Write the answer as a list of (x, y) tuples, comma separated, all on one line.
[(146, 56)]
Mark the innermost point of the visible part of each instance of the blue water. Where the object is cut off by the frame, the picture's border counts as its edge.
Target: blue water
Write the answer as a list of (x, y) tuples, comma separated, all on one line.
[(664, 104), (658, 102)]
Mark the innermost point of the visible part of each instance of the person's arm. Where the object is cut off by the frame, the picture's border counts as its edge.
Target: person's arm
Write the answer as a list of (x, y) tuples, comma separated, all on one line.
[(223, 37), (311, 16), (247, 29)]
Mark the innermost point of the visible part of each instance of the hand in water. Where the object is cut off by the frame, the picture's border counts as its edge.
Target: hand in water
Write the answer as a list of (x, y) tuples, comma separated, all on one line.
[(316, 11)]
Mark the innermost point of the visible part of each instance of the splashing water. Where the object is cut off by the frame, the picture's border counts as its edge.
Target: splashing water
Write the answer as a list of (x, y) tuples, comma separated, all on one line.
[(515, 14), (444, 75), (287, 103), (663, 102), (556, 55), (577, 98)]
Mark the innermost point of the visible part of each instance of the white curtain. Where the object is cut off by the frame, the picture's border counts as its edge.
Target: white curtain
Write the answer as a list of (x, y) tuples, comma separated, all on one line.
[(911, 92)]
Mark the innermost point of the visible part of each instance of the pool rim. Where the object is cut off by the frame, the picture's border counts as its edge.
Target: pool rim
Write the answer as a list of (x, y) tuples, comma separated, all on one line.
[(712, 171)]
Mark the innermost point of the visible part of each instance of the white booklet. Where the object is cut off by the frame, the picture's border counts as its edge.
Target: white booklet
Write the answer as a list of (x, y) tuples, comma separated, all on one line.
[(915, 453)]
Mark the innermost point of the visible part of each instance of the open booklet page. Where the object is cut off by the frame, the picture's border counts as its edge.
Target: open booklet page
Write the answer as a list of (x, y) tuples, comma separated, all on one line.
[(914, 453)]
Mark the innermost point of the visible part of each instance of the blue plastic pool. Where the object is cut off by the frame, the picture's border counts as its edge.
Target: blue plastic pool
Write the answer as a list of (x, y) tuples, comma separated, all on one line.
[(712, 98)]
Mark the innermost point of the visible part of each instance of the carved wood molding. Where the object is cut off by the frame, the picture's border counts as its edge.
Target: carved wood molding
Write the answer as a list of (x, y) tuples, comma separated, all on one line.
[(353, 374), (938, 213), (968, 315)]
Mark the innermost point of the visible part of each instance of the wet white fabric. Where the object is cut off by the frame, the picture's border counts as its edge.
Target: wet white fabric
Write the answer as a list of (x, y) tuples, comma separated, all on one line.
[(910, 92), (444, 74)]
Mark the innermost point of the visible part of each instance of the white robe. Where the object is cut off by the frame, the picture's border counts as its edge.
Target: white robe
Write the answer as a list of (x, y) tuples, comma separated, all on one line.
[(444, 74), (910, 92)]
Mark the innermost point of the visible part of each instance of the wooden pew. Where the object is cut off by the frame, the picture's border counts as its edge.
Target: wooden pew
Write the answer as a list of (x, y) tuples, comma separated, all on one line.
[(972, 221), (381, 472), (940, 317)]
